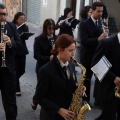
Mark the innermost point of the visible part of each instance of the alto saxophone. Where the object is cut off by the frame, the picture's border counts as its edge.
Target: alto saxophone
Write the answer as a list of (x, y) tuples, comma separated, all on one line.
[(117, 91), (77, 105)]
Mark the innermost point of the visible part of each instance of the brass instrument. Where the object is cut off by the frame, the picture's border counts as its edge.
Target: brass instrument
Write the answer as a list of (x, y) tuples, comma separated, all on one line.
[(117, 91), (2, 41), (77, 105)]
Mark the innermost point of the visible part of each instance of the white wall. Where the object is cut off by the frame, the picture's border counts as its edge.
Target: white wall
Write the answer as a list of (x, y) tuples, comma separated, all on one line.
[(49, 10)]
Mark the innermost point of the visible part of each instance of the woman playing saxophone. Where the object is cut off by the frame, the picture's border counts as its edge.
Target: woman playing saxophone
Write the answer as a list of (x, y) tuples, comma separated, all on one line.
[(57, 82)]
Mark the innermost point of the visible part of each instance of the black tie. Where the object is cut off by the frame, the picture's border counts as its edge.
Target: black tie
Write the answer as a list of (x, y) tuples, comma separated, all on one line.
[(65, 71), (96, 23)]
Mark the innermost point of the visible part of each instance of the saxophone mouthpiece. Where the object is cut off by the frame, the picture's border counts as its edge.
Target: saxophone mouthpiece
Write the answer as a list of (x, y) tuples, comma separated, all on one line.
[(73, 59)]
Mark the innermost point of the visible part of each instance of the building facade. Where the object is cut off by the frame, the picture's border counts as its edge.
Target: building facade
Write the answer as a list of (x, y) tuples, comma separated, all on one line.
[(38, 10)]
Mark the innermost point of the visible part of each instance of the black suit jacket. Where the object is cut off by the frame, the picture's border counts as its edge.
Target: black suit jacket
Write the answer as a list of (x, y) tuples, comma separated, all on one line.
[(89, 34), (111, 49), (11, 51), (22, 29), (53, 90), (42, 48)]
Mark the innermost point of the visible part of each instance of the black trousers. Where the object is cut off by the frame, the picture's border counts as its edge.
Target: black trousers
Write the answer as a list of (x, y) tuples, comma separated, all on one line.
[(7, 87), (20, 70), (111, 109)]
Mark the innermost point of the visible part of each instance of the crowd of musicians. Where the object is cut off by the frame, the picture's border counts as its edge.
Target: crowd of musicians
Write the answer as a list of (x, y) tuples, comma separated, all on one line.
[(55, 71)]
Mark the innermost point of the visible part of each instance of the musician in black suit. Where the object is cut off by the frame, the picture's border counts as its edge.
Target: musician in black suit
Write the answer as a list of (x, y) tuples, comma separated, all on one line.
[(7, 74), (105, 13), (110, 104), (18, 20), (67, 23), (43, 45), (55, 87), (90, 34)]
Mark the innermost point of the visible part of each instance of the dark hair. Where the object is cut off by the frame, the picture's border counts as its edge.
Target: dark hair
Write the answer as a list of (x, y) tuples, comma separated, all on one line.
[(63, 41), (97, 4), (2, 6), (84, 12), (47, 22), (17, 15), (66, 11)]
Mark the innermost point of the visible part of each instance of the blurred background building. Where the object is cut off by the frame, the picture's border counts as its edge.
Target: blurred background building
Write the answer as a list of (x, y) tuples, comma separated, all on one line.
[(38, 10)]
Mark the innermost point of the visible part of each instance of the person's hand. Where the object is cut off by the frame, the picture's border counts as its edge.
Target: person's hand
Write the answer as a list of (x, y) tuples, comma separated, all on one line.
[(51, 57), (105, 21), (82, 92), (2, 46), (66, 114), (61, 22), (66, 22), (117, 81), (102, 36), (7, 40)]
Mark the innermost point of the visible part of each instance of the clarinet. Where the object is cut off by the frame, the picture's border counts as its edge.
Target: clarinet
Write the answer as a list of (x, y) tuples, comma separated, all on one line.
[(103, 26), (2, 41), (52, 40)]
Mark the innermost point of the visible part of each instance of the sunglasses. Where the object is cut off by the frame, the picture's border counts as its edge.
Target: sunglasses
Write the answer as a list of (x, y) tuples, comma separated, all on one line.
[(5, 14)]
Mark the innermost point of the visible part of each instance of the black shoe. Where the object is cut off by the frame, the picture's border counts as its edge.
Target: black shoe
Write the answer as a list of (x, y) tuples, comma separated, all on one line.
[(34, 107)]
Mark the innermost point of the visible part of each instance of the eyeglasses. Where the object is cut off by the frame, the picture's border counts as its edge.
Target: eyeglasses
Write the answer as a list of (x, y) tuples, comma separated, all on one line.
[(5, 14)]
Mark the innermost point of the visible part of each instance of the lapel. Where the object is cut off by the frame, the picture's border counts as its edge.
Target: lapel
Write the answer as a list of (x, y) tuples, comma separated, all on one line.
[(98, 30), (56, 61), (61, 70), (116, 46), (92, 25), (7, 29), (48, 42), (99, 27)]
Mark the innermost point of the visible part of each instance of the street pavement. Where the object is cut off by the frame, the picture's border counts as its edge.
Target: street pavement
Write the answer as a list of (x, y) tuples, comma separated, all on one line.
[(28, 83)]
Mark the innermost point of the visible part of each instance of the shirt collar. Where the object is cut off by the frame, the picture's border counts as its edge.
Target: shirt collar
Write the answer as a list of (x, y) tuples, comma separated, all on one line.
[(118, 37), (48, 37), (93, 19), (64, 64)]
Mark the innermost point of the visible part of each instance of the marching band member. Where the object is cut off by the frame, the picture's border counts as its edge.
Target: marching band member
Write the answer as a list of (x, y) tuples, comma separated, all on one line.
[(19, 21), (90, 34), (42, 47), (67, 22), (110, 104), (55, 86), (11, 43)]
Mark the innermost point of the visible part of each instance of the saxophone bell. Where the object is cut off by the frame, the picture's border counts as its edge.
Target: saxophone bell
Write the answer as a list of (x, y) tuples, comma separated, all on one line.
[(117, 92)]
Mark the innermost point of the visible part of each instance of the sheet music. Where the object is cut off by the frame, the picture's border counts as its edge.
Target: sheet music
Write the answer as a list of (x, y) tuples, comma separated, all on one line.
[(101, 68), (21, 25)]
